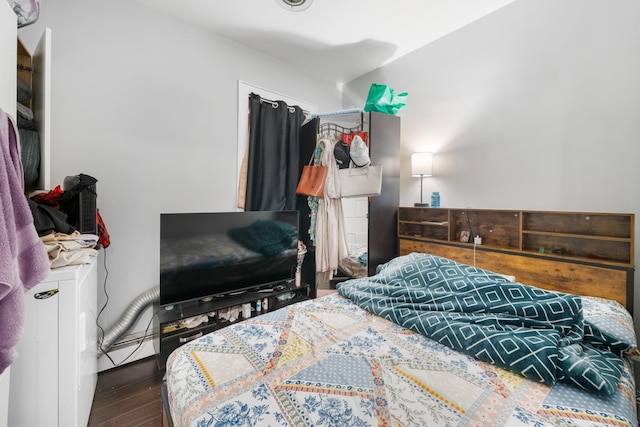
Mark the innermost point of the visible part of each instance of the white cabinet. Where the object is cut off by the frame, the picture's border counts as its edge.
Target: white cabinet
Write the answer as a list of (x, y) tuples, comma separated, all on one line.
[(53, 380)]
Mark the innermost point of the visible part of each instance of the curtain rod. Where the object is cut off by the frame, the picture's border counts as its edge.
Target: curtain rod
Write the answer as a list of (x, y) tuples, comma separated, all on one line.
[(341, 113), (275, 104)]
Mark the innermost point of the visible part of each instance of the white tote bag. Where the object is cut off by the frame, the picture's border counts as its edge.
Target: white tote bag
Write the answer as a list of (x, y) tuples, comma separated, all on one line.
[(360, 182)]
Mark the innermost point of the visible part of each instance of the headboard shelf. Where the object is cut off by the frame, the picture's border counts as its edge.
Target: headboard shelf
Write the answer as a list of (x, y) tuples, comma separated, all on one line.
[(588, 253), (578, 236)]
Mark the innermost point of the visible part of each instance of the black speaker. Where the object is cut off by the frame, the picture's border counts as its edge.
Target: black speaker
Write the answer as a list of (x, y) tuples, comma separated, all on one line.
[(81, 203)]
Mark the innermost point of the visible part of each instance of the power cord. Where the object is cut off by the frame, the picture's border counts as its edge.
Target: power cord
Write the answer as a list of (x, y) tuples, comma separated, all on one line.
[(146, 331), (104, 288), (474, 252), (469, 223), (471, 236)]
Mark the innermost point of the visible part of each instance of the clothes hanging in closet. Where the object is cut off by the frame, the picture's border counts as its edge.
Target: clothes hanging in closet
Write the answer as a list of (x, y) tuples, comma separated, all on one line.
[(341, 138), (331, 236)]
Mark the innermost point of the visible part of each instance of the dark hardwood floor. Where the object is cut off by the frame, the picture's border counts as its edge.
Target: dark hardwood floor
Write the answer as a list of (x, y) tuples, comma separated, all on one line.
[(128, 396)]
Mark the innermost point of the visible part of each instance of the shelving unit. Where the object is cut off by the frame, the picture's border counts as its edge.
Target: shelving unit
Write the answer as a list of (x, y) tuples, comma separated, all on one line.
[(34, 68), (599, 246), (384, 146), (173, 333)]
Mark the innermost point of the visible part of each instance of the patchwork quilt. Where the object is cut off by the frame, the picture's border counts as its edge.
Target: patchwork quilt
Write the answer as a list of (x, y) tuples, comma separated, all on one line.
[(533, 332), (329, 362)]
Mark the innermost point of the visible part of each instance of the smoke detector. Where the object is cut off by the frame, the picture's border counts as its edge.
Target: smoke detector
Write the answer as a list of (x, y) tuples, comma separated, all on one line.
[(295, 5)]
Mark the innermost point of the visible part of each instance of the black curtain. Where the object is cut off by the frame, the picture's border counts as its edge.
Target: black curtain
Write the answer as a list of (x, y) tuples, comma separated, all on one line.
[(272, 173)]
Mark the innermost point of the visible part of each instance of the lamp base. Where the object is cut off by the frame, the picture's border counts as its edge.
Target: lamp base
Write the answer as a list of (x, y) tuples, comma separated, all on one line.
[(421, 205)]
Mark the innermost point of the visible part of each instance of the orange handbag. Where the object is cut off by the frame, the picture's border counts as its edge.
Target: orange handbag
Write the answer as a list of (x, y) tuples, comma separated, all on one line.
[(312, 180)]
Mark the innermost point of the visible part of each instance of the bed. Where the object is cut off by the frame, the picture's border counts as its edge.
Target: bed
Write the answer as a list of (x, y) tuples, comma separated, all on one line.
[(333, 361)]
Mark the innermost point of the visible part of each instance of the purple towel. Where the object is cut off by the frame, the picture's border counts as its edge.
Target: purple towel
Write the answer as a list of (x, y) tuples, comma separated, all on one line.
[(23, 258)]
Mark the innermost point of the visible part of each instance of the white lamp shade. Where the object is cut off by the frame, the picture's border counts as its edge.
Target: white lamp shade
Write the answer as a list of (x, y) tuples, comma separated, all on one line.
[(422, 164)]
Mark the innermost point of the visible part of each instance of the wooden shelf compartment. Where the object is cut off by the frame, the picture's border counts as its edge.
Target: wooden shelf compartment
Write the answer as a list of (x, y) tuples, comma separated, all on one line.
[(435, 215), (497, 228), (423, 231), (577, 236), (579, 224), (424, 223), (580, 247)]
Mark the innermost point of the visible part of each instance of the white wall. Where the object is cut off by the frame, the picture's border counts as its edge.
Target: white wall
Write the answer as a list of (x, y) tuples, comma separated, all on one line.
[(148, 106), (536, 106)]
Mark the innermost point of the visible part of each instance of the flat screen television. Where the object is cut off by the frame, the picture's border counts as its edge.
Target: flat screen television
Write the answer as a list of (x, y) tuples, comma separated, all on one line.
[(219, 253)]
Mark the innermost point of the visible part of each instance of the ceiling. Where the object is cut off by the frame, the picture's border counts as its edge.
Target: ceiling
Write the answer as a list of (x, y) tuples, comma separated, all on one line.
[(337, 40)]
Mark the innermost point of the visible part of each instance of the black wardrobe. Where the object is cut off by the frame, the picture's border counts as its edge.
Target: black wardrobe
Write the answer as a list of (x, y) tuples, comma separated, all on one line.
[(384, 149)]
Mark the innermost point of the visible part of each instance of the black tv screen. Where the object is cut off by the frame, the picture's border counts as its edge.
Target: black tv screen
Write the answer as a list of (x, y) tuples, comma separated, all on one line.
[(217, 253)]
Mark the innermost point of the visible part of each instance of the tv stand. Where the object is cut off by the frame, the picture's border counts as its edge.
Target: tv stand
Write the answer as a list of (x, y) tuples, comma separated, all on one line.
[(172, 333)]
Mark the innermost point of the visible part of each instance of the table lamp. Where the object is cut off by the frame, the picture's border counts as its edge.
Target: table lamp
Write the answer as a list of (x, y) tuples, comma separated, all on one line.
[(421, 165)]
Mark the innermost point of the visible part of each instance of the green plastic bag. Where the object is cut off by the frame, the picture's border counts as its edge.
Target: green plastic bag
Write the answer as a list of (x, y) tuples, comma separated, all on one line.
[(382, 99)]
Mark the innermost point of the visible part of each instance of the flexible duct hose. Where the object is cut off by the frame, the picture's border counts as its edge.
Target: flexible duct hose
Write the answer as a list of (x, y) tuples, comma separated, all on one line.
[(129, 317)]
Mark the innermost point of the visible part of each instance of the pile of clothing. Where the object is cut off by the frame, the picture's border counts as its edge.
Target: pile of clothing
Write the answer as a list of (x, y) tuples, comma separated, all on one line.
[(29, 136), (63, 242)]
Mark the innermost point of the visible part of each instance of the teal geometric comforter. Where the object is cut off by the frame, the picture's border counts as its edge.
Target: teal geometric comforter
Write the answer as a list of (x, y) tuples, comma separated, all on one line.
[(536, 333)]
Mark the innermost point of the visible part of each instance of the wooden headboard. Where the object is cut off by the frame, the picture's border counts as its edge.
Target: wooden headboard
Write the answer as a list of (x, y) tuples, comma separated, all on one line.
[(582, 253)]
